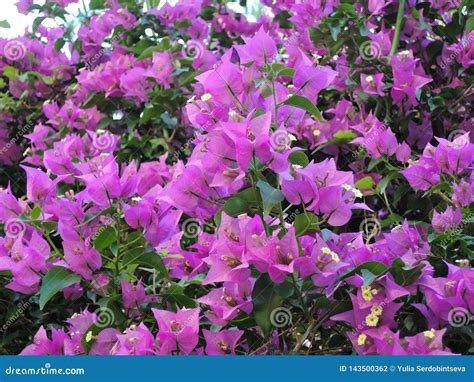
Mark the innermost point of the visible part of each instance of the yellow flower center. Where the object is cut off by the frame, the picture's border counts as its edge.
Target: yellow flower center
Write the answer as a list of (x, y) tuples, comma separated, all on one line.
[(372, 320), (367, 293), (377, 310), (361, 339), (429, 334)]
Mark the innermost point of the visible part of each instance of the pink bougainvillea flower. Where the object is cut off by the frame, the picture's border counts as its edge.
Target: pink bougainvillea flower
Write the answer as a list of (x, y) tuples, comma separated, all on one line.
[(223, 83), (372, 84), (228, 301), (177, 331), (161, 68), (81, 259), (260, 49), (222, 342), (446, 220), (310, 80), (42, 345), (275, 256), (136, 340), (132, 295)]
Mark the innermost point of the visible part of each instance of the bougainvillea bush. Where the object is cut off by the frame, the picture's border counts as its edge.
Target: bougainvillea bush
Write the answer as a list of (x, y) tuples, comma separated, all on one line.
[(206, 177)]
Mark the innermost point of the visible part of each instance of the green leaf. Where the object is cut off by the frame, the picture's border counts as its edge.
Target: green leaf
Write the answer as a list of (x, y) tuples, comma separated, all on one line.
[(305, 104), (35, 213), (138, 255), (4, 24), (265, 301), (365, 183), (235, 206), (306, 223), (299, 158), (106, 237), (56, 280), (270, 196), (10, 72), (367, 276), (58, 45), (88, 339), (148, 52), (37, 22), (154, 260), (374, 162), (96, 4), (241, 202), (343, 136), (470, 24), (374, 267), (404, 275), (176, 293), (288, 72)]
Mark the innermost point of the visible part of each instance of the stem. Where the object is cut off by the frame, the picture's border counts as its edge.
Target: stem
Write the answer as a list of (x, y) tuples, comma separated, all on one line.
[(275, 102), (85, 7), (398, 27), (300, 295), (117, 258), (305, 335), (49, 240), (444, 197)]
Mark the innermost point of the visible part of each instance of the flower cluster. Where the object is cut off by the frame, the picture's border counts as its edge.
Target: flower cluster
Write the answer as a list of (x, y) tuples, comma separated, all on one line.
[(194, 181)]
